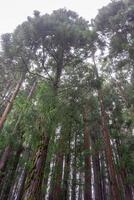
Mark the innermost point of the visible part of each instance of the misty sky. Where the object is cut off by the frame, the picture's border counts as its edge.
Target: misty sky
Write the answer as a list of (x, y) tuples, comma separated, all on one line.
[(14, 12)]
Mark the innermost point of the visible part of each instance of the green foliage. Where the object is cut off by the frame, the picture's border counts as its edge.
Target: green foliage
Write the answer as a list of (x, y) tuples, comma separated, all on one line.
[(59, 47)]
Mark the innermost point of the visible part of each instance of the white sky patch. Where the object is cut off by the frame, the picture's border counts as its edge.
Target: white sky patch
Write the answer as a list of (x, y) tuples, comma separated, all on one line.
[(14, 12)]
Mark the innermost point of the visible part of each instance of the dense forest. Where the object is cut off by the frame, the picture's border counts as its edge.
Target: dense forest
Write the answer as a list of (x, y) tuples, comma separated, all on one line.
[(67, 106)]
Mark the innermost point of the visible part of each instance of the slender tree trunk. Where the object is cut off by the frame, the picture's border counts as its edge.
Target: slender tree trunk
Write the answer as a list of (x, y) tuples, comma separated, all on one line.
[(5, 158), (11, 175), (97, 174), (21, 188), (123, 174), (46, 178), (8, 150), (128, 190), (49, 172), (3, 164), (108, 148), (64, 146), (10, 103), (87, 145), (57, 191), (58, 73), (80, 187), (5, 96), (18, 183), (74, 168), (66, 176), (28, 99), (50, 195), (104, 175), (74, 178), (57, 78)]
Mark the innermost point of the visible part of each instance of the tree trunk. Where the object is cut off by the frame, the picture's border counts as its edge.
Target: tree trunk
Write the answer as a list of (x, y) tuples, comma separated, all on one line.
[(97, 174), (21, 188), (80, 187), (57, 190), (34, 181), (87, 145), (11, 175), (74, 178), (3, 163), (108, 148), (8, 150), (128, 190), (50, 194), (19, 183), (59, 69), (46, 178), (123, 174), (10, 103), (28, 99), (5, 158), (66, 176), (74, 168)]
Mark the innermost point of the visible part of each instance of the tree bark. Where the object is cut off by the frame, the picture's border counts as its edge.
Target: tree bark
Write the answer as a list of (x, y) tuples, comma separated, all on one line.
[(74, 178), (108, 148), (97, 173), (80, 186), (87, 145), (18, 187), (66, 176), (5, 158), (21, 188), (57, 190), (11, 175), (32, 189), (10, 103), (3, 163), (8, 150), (123, 174), (34, 181)]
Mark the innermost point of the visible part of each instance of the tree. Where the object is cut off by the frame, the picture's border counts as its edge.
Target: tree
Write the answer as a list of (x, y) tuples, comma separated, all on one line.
[(72, 138)]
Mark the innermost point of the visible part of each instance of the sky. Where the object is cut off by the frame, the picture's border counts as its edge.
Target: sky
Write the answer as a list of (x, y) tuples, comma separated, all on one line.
[(14, 12)]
